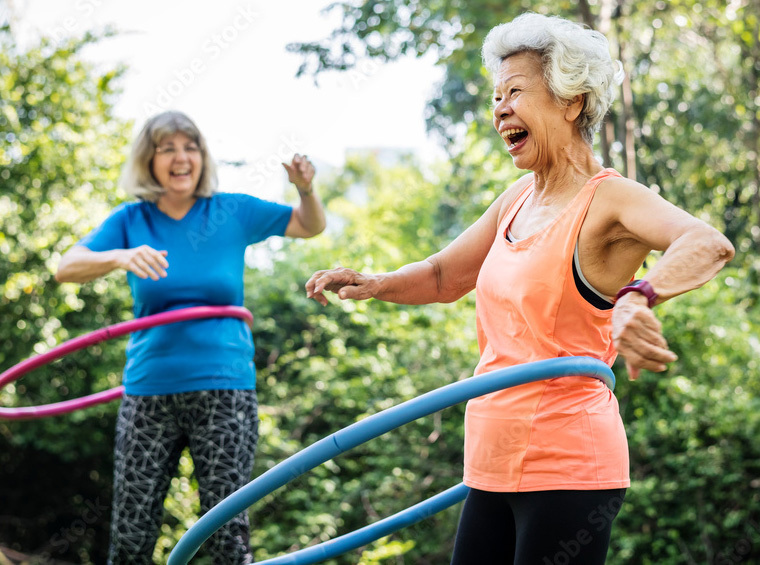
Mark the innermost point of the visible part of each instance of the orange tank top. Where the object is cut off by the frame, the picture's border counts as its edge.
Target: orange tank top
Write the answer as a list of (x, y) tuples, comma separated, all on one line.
[(558, 434)]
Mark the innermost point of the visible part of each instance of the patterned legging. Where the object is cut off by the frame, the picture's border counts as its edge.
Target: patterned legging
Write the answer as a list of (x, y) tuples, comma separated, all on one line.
[(221, 429)]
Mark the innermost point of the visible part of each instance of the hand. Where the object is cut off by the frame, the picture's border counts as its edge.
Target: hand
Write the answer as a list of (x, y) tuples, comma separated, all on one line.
[(144, 261), (300, 173), (637, 335), (346, 283)]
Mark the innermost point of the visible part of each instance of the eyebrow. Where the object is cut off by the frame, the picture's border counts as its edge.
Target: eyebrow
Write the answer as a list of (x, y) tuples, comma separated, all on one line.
[(506, 80)]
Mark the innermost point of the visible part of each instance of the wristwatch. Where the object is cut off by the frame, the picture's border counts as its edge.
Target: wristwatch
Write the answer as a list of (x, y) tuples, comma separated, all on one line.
[(641, 286)]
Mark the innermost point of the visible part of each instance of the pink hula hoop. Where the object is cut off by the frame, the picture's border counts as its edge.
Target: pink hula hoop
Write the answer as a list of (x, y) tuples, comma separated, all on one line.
[(104, 334)]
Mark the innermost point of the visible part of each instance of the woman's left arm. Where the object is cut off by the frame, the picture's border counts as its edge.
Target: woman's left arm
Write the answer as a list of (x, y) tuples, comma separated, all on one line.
[(308, 218), (694, 253)]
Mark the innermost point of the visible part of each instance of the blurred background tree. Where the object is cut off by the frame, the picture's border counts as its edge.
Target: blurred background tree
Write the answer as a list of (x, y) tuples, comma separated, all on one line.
[(60, 156), (686, 123)]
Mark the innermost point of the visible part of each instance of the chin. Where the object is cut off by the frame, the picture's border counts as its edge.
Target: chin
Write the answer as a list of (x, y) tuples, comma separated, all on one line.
[(520, 164)]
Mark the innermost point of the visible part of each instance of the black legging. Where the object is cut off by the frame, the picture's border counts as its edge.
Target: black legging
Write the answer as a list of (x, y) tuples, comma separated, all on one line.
[(221, 429), (556, 527)]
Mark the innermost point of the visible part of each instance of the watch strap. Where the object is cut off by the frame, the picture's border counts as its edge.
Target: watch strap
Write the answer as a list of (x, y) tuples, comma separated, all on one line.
[(641, 286)]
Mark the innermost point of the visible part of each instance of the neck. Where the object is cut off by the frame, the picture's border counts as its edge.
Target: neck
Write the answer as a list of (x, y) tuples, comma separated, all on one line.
[(569, 168), (175, 208)]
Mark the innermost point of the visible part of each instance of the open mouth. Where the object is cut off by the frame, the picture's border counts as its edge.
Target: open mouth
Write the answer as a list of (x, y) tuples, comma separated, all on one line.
[(514, 137)]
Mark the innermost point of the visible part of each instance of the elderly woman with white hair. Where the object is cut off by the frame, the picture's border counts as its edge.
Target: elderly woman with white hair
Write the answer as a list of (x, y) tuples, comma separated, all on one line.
[(191, 384), (553, 262)]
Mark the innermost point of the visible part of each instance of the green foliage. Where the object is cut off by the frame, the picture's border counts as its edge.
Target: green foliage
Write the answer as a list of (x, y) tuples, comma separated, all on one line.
[(58, 167), (695, 462), (692, 431), (697, 141), (452, 30), (59, 160), (693, 68), (321, 369), (699, 132)]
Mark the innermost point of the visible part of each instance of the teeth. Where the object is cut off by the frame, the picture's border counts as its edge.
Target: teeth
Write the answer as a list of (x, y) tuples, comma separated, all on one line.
[(511, 131), (507, 133)]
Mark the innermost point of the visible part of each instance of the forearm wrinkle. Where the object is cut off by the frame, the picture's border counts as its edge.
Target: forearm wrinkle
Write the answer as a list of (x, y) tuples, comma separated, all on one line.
[(691, 261)]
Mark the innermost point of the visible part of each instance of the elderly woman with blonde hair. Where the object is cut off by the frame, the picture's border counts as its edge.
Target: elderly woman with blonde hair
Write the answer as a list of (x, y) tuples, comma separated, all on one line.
[(190, 384), (553, 262)]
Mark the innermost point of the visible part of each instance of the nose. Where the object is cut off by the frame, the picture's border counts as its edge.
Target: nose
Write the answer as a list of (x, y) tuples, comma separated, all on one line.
[(181, 154), (502, 110)]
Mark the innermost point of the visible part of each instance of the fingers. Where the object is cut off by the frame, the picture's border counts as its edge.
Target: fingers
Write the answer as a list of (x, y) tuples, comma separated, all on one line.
[(144, 270), (311, 291), (324, 280), (299, 163), (633, 372), (356, 291), (300, 171), (342, 281), (637, 335), (311, 288), (647, 356), (311, 283), (304, 165), (146, 262), (643, 337)]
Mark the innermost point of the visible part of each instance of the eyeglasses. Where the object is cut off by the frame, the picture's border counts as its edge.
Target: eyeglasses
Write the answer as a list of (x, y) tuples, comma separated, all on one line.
[(171, 150)]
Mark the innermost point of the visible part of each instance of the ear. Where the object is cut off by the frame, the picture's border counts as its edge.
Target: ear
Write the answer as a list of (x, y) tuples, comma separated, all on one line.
[(575, 107)]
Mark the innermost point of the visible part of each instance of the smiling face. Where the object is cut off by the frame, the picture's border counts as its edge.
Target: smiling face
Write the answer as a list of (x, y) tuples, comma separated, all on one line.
[(177, 165), (528, 118)]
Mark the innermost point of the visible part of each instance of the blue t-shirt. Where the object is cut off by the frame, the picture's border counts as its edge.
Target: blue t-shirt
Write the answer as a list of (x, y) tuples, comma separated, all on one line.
[(206, 252)]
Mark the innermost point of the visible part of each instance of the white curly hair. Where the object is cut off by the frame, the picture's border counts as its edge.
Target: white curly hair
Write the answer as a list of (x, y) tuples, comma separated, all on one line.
[(576, 61)]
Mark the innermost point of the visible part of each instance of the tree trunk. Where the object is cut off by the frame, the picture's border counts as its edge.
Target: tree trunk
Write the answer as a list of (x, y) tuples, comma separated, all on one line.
[(628, 121), (606, 134)]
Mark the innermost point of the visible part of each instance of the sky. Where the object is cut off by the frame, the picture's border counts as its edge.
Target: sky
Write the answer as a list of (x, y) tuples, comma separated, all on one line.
[(224, 63)]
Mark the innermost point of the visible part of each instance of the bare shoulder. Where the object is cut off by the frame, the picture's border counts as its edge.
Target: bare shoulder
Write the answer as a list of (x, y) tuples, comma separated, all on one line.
[(604, 227), (615, 190), (625, 210), (506, 198), (618, 197)]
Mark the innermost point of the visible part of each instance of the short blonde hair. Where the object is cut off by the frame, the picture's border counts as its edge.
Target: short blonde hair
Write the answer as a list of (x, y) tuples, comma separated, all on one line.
[(137, 178), (576, 61)]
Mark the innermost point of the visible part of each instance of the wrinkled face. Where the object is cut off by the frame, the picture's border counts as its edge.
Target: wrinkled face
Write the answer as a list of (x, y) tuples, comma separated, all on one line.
[(177, 165), (526, 115)]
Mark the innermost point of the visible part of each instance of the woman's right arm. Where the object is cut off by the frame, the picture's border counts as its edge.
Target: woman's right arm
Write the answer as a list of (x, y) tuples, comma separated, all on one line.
[(80, 264), (443, 277)]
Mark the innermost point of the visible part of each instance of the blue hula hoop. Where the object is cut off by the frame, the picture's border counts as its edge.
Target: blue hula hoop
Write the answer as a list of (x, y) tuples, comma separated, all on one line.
[(363, 431)]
